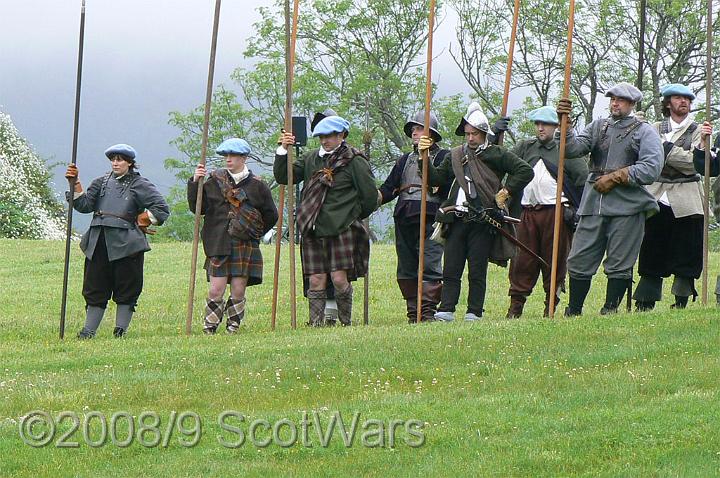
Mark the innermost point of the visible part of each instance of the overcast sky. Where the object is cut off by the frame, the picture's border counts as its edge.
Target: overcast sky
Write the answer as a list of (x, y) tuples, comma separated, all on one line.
[(142, 60)]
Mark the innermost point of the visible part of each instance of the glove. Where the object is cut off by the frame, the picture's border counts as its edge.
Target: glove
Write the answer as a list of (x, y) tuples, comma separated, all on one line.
[(605, 183), (501, 198), (502, 124), (564, 107), (667, 147), (495, 214), (144, 223), (72, 173), (425, 143)]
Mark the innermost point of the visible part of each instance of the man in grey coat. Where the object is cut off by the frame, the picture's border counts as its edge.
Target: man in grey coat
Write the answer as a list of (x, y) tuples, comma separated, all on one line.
[(626, 154)]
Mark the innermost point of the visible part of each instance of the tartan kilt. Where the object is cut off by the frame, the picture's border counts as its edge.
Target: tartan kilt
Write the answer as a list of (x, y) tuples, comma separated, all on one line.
[(245, 260), (348, 251)]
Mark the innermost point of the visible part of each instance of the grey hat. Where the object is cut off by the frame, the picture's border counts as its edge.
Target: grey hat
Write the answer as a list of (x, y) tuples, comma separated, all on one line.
[(419, 120), (626, 91), (321, 116)]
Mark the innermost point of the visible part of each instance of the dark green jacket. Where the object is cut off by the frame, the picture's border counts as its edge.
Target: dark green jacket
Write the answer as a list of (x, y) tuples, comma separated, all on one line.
[(353, 194), (511, 170), (533, 150)]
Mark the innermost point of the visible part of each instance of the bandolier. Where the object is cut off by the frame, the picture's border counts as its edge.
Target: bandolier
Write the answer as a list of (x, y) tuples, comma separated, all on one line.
[(476, 171), (626, 154)]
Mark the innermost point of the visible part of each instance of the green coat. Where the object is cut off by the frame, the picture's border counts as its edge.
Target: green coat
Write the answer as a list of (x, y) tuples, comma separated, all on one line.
[(533, 150), (353, 195), (515, 172)]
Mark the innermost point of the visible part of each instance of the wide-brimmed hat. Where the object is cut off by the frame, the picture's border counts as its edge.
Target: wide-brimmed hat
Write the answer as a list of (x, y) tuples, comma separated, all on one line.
[(419, 120)]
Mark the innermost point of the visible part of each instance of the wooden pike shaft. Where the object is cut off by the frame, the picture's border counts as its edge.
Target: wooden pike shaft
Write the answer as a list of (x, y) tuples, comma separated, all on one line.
[(201, 181), (276, 268), (290, 39), (426, 158), (561, 165), (641, 50), (366, 282), (508, 69), (706, 183), (72, 181)]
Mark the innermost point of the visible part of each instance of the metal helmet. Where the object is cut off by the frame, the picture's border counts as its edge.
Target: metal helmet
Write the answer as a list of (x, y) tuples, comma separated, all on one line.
[(321, 116), (475, 118), (419, 119)]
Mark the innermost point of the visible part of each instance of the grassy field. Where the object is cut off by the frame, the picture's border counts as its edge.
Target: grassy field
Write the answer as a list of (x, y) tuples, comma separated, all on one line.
[(628, 395)]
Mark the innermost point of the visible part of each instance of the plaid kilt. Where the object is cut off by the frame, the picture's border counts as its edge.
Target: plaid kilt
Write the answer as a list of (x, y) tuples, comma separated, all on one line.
[(348, 251), (245, 260)]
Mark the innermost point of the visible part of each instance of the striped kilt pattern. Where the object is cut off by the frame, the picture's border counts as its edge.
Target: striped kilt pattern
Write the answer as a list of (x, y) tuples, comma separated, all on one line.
[(245, 260), (348, 251)]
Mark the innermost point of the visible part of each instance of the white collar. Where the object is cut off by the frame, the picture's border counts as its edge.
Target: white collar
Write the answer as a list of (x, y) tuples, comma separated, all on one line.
[(237, 177), (676, 126), (322, 152)]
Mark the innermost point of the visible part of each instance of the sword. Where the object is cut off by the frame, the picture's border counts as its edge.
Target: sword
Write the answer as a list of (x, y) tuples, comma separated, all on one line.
[(477, 215)]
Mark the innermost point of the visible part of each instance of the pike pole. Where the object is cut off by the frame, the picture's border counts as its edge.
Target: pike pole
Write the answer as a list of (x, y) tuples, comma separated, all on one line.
[(201, 181), (72, 181), (425, 157), (561, 166)]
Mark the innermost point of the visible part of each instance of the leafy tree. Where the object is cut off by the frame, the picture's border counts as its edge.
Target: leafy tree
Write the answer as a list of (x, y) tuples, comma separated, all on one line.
[(355, 57), (675, 48)]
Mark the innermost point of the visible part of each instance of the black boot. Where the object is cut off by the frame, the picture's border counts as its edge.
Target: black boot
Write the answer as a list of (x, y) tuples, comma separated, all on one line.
[(644, 306), (118, 332), (579, 289), (680, 302), (616, 290), (648, 292)]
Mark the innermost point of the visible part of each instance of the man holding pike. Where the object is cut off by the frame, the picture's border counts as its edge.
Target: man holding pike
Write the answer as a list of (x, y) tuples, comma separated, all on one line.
[(626, 154)]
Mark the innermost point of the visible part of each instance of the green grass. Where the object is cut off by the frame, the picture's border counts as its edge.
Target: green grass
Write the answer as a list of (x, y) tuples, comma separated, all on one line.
[(628, 395)]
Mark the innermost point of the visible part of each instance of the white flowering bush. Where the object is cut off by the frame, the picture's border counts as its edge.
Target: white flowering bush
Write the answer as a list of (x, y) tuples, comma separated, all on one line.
[(28, 207)]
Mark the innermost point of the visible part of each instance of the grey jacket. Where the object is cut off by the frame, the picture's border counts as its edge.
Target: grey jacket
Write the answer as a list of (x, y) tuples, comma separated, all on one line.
[(641, 149), (115, 203)]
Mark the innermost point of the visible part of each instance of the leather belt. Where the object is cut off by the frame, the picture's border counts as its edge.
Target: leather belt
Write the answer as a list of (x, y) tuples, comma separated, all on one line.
[(119, 216), (538, 207)]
